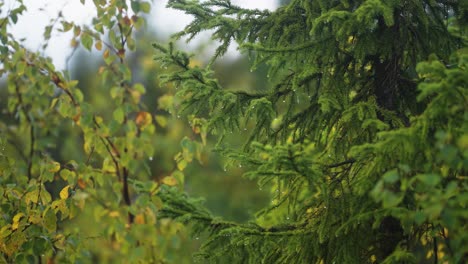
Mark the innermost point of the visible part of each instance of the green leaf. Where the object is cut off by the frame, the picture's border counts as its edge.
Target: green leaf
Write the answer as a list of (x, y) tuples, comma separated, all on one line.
[(50, 220), (32, 197), (135, 6), (391, 176), (20, 68), (45, 196), (47, 32), (429, 179), (390, 199), (161, 120), (66, 26), (87, 41), (179, 176), (78, 95), (145, 7), (119, 115), (14, 18)]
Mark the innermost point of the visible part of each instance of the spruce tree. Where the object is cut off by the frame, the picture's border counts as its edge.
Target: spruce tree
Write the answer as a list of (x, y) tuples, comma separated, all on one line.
[(361, 136)]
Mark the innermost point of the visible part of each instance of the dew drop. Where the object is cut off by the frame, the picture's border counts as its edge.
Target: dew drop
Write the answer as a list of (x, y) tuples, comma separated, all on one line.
[(287, 218), (240, 165), (284, 101), (178, 116), (245, 129), (197, 238), (150, 158)]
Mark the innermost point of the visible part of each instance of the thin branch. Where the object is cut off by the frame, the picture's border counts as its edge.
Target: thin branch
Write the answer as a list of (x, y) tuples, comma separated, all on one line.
[(31, 132), (349, 161), (31, 150), (126, 194)]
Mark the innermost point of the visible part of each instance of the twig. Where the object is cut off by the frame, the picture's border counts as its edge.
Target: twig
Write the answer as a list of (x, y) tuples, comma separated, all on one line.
[(349, 161)]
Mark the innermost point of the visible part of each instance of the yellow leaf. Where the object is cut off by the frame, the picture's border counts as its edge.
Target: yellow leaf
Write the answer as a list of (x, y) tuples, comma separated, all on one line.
[(169, 180), (429, 254), (195, 63), (114, 214), (34, 219), (136, 95), (161, 120), (55, 166), (98, 45), (108, 166), (64, 192), (181, 164), (73, 43), (16, 220), (98, 119)]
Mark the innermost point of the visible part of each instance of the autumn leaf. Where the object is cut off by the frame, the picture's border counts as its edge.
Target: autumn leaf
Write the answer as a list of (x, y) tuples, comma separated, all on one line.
[(98, 45), (54, 167), (139, 219), (16, 220), (81, 183), (106, 54), (64, 192), (114, 214), (143, 119), (170, 181)]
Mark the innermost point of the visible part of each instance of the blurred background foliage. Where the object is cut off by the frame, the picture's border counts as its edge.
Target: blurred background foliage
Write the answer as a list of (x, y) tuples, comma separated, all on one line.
[(206, 179)]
